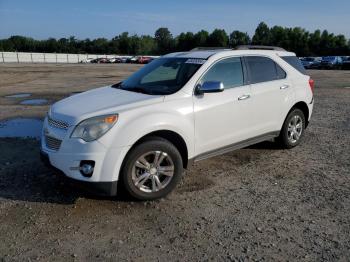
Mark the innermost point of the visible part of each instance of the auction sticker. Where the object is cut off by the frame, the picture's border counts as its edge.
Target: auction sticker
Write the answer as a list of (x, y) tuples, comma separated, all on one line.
[(196, 61)]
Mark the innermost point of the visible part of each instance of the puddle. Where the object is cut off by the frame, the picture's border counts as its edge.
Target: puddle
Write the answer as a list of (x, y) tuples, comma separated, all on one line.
[(20, 95), (21, 127), (34, 102)]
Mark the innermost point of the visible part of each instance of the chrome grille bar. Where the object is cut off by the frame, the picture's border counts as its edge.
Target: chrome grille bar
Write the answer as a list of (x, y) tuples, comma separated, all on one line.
[(57, 123)]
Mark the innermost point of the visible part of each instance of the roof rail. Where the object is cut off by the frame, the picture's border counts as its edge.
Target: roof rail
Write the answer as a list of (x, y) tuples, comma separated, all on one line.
[(259, 47), (209, 48)]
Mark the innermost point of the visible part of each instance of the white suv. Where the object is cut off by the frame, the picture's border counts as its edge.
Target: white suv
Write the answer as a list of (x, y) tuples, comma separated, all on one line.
[(182, 107)]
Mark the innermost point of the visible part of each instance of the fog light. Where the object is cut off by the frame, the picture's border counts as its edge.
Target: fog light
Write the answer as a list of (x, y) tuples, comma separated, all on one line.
[(87, 168)]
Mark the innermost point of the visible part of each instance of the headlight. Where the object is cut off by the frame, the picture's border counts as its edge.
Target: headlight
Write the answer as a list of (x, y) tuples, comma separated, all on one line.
[(93, 128)]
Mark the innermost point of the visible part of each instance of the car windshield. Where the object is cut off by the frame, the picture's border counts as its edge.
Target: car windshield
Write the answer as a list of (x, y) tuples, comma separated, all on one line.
[(163, 76)]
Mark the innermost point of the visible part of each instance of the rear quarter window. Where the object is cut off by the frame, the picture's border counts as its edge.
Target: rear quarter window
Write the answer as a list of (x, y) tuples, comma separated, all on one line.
[(295, 62)]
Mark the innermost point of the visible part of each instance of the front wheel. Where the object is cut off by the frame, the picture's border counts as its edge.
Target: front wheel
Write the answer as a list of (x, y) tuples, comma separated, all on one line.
[(293, 129), (152, 169)]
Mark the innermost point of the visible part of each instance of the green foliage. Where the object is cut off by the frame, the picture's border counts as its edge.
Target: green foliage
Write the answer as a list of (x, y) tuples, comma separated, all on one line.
[(296, 39), (239, 38), (218, 38), (262, 35), (164, 39)]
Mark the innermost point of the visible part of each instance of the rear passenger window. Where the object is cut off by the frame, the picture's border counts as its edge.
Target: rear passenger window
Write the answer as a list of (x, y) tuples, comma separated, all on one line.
[(228, 71), (263, 69), (295, 62)]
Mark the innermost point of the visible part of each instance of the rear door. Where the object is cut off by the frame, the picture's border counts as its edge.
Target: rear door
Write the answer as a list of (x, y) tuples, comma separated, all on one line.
[(272, 94)]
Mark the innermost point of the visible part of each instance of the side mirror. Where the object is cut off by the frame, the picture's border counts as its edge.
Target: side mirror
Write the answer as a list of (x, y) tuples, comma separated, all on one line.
[(209, 87)]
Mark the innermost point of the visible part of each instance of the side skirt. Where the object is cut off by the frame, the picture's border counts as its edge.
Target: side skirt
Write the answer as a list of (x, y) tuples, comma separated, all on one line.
[(235, 146)]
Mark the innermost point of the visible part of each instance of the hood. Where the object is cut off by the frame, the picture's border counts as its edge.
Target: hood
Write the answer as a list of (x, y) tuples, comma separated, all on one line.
[(100, 101)]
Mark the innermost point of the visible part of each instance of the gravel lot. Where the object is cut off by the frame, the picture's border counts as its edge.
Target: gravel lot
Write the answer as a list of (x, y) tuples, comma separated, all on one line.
[(258, 203)]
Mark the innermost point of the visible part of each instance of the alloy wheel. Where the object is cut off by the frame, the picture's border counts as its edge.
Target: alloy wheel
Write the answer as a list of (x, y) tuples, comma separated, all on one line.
[(153, 171), (295, 129)]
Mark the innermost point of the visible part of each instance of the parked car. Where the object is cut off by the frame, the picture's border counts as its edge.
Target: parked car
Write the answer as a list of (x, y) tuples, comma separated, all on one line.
[(144, 59), (179, 109), (311, 62), (124, 59), (331, 62), (101, 60), (113, 60), (346, 63), (86, 61), (132, 60)]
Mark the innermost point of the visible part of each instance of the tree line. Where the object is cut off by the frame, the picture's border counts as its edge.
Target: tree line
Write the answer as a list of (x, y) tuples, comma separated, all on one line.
[(296, 39)]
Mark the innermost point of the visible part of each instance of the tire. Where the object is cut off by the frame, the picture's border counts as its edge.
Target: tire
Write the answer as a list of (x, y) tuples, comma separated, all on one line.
[(143, 177), (291, 134)]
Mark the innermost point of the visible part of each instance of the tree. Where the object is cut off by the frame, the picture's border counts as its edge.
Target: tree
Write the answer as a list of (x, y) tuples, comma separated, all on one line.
[(262, 35), (123, 43), (279, 37), (185, 42), (239, 38), (164, 40), (314, 42), (201, 38), (218, 38), (294, 39), (298, 39), (147, 45)]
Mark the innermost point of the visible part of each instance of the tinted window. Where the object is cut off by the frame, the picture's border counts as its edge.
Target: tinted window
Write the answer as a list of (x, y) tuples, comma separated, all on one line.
[(263, 69), (228, 71), (295, 62), (281, 74)]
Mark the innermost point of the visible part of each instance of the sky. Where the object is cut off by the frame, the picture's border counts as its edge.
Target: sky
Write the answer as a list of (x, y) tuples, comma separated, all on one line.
[(42, 19)]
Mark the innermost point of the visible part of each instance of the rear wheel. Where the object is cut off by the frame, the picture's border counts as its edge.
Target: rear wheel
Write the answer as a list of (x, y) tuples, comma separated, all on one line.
[(152, 169), (293, 129)]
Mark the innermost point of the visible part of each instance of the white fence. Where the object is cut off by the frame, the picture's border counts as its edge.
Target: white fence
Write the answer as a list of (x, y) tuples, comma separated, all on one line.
[(21, 57)]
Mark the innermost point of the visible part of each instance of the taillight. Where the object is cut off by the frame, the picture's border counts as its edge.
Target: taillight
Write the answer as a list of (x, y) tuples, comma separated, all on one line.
[(312, 84)]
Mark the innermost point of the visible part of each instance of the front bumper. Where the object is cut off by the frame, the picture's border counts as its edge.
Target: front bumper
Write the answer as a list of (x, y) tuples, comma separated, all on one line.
[(97, 188), (70, 152)]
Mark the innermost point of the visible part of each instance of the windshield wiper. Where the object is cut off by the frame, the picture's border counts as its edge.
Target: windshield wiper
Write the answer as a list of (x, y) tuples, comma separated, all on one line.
[(137, 89)]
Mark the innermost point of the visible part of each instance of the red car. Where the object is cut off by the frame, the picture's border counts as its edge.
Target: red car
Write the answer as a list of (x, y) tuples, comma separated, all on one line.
[(144, 59)]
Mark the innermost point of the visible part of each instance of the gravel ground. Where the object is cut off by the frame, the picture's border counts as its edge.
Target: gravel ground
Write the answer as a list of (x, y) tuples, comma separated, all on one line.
[(258, 203)]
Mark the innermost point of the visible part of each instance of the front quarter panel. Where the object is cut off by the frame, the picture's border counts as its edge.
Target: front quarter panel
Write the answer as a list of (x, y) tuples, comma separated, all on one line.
[(174, 115)]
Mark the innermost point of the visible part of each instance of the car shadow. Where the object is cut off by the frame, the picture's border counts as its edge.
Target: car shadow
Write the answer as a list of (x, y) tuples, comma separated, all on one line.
[(46, 186), (24, 177), (266, 145)]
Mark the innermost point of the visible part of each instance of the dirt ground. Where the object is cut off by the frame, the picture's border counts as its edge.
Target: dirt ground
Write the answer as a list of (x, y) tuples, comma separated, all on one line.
[(255, 204)]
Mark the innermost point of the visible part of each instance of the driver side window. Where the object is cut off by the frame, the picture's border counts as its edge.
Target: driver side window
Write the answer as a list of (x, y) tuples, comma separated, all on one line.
[(228, 71)]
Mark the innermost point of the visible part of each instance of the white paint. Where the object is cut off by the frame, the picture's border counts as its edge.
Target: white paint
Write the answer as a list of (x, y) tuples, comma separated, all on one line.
[(205, 123)]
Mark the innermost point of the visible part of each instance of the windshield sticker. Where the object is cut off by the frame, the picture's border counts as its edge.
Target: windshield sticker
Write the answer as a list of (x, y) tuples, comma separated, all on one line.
[(195, 61)]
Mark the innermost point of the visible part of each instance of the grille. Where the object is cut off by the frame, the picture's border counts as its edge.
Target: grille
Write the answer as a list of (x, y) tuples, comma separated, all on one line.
[(57, 123), (52, 143)]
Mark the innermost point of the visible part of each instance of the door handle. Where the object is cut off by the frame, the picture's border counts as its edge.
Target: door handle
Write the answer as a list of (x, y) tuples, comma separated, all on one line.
[(284, 87), (243, 97)]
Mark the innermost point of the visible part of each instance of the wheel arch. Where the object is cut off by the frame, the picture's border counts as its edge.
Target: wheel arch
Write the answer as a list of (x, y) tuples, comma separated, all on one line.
[(304, 108), (173, 137)]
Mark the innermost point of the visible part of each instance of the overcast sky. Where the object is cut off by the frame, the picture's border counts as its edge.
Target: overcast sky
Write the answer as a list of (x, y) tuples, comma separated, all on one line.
[(42, 19)]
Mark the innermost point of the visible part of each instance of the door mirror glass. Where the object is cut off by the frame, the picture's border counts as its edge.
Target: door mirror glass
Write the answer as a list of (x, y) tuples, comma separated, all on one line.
[(210, 87)]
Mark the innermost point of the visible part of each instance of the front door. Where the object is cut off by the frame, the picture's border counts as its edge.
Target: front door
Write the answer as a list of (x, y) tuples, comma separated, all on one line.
[(221, 119)]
